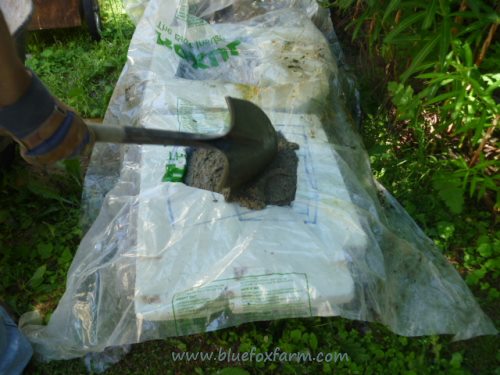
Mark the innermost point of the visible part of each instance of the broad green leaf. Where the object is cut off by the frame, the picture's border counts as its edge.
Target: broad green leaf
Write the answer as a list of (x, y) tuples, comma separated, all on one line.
[(476, 86), (37, 277), (492, 18), (465, 179), (404, 25), (450, 191), (445, 229), (44, 191), (442, 97), (468, 55), (473, 186), (394, 87), (428, 92), (425, 66), (433, 75), (474, 277), (485, 249), (474, 6), (393, 5), (44, 250), (468, 29), (444, 6), (48, 52), (456, 360), (295, 335), (73, 168), (465, 15), (65, 258), (406, 40), (430, 15), (420, 57), (444, 41), (491, 85), (313, 341), (459, 103), (478, 6), (76, 92)]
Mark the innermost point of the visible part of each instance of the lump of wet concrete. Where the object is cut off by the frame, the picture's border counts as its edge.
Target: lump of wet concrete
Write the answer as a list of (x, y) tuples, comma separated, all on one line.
[(276, 185)]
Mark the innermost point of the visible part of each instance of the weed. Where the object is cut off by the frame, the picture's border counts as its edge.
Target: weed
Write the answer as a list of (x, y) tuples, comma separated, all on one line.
[(443, 55)]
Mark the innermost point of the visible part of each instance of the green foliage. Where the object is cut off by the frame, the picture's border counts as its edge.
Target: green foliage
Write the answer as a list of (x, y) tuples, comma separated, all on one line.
[(80, 72), (483, 260), (39, 219), (370, 349), (444, 70), (468, 237)]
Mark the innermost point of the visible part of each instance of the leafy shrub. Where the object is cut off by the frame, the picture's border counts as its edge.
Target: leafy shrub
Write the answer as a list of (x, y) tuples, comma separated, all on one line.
[(446, 85)]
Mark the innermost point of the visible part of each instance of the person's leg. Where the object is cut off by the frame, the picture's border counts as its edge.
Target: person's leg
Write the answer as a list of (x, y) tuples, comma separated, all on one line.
[(15, 349), (7, 148), (46, 129), (20, 41), (14, 78)]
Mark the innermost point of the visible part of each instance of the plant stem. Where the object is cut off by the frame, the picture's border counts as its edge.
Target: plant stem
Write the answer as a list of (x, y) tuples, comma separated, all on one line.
[(357, 9), (397, 18), (487, 136), (486, 44), (463, 6)]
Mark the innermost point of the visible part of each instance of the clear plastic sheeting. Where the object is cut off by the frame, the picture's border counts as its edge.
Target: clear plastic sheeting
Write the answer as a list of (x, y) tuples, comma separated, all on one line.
[(163, 259), (135, 9)]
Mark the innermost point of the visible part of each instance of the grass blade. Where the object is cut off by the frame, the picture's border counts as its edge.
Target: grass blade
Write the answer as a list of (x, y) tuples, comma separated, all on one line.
[(404, 25), (430, 15), (393, 5), (420, 57), (444, 41)]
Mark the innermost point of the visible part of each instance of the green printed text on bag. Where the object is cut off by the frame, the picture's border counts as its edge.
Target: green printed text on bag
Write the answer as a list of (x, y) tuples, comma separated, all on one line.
[(176, 166), (190, 50)]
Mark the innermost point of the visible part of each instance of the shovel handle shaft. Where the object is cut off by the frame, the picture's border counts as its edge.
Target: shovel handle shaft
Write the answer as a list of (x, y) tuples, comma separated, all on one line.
[(248, 145), (146, 136)]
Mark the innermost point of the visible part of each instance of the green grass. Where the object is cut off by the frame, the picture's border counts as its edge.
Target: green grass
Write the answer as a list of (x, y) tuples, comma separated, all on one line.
[(371, 348), (39, 210), (78, 70), (39, 216)]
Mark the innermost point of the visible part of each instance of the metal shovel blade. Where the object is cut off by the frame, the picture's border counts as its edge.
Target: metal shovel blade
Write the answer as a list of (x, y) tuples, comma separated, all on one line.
[(249, 145)]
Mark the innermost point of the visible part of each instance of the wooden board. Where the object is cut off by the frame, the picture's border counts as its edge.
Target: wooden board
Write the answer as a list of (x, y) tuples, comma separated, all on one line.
[(55, 14)]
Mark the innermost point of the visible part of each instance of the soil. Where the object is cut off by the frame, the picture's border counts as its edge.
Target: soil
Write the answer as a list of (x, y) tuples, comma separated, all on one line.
[(276, 185)]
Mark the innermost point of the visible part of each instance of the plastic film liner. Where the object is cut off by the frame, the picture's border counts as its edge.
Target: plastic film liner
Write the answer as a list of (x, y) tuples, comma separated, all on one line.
[(163, 259)]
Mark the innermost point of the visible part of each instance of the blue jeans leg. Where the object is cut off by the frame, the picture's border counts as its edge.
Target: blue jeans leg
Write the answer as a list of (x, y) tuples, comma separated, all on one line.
[(15, 349)]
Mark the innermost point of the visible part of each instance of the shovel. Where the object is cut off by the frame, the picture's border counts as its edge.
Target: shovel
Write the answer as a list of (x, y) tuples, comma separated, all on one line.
[(249, 145)]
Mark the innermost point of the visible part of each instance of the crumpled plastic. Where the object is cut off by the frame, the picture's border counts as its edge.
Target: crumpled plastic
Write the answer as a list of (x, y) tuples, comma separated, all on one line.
[(163, 259)]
